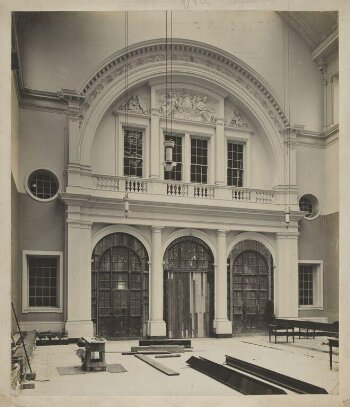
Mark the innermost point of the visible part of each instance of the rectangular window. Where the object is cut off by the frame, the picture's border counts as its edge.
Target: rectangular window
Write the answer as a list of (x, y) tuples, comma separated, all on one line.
[(176, 173), (199, 160), (306, 284), (133, 160), (42, 281), (234, 164), (42, 273)]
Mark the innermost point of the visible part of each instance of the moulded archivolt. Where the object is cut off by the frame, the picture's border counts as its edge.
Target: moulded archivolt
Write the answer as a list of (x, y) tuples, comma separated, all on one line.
[(183, 52)]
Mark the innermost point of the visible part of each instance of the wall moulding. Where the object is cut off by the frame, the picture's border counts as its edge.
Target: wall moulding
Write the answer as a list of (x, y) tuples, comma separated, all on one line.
[(190, 53)]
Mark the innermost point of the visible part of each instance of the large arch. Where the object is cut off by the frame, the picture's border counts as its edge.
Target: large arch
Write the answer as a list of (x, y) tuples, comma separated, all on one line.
[(193, 59)]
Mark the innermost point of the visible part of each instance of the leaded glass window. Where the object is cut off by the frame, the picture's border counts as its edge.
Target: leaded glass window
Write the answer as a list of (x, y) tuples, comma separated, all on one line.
[(234, 164), (42, 275), (199, 160), (305, 205), (176, 173), (43, 184), (306, 284), (133, 160)]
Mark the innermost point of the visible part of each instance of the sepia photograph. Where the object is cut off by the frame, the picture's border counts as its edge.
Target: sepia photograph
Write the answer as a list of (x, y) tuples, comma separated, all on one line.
[(174, 203)]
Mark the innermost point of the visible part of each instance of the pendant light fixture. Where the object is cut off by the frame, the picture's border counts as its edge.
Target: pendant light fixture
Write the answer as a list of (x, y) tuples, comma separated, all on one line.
[(169, 145)]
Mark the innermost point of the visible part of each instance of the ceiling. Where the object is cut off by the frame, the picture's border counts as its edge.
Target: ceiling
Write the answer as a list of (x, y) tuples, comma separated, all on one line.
[(313, 26)]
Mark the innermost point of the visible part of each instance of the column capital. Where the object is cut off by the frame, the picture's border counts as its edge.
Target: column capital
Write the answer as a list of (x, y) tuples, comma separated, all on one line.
[(157, 229), (74, 100), (221, 232)]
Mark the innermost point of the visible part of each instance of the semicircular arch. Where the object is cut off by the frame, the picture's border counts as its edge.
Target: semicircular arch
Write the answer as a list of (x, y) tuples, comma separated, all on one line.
[(193, 59)]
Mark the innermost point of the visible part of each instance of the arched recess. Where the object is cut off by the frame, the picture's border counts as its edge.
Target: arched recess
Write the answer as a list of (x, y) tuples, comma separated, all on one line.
[(250, 286), (188, 288), (120, 286), (193, 59)]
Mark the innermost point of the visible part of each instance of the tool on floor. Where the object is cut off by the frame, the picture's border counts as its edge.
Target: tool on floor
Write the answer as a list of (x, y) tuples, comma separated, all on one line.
[(164, 369), (298, 386), (31, 375), (236, 380), (171, 355)]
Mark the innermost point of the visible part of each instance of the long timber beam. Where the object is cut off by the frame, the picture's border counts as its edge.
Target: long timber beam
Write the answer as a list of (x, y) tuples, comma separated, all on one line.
[(236, 380), (298, 386)]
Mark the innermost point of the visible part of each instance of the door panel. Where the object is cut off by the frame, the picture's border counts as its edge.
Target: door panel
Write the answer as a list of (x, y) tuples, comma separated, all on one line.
[(120, 287), (250, 282)]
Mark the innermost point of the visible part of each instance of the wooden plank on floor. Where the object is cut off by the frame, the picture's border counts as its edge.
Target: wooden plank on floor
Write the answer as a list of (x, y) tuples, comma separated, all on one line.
[(164, 369), (166, 348), (182, 342)]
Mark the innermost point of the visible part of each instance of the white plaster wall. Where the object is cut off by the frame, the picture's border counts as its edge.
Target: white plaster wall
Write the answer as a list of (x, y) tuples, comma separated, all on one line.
[(332, 178), (41, 143), (310, 173), (260, 39), (103, 160)]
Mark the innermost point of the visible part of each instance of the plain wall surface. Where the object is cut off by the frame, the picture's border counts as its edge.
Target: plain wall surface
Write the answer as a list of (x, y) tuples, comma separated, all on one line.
[(272, 49), (42, 144)]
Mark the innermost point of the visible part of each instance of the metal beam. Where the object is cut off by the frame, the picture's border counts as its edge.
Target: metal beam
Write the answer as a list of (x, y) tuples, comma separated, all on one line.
[(298, 386), (236, 380)]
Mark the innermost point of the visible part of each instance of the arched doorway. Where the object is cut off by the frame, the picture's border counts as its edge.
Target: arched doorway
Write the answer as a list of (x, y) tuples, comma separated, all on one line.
[(188, 288), (120, 286), (250, 286)]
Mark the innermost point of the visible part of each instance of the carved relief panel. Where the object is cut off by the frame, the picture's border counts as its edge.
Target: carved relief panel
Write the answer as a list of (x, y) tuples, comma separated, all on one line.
[(234, 117), (187, 104)]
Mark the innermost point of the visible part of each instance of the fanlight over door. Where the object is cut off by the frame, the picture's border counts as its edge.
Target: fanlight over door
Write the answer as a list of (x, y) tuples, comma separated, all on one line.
[(120, 286), (189, 289)]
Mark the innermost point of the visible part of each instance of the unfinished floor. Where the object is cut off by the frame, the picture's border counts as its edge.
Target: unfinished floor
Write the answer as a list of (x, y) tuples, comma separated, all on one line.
[(306, 359)]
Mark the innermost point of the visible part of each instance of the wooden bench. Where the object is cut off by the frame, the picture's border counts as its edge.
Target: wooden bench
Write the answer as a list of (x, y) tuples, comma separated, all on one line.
[(286, 327), (332, 343)]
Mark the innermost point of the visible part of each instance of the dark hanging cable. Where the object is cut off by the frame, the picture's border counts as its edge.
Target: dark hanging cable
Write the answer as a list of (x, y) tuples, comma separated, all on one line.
[(166, 72)]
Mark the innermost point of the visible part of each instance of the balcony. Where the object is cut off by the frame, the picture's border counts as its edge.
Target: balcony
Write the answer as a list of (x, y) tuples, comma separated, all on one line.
[(164, 191)]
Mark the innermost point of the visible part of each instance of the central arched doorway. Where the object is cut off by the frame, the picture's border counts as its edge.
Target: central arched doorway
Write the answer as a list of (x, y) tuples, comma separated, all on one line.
[(250, 286), (188, 288), (120, 286)]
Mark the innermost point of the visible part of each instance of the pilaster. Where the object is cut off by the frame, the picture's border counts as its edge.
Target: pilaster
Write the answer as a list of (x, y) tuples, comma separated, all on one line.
[(79, 278), (156, 324), (74, 100), (286, 293), (222, 326)]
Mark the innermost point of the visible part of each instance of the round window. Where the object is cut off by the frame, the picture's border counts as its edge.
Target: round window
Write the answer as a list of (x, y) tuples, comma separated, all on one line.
[(308, 203), (42, 185)]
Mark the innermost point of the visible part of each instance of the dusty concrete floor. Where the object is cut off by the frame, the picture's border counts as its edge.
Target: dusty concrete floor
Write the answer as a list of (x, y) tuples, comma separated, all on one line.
[(306, 359)]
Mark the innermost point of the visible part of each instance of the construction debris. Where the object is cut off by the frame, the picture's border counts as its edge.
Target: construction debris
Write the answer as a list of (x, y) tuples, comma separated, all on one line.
[(181, 342), (166, 348)]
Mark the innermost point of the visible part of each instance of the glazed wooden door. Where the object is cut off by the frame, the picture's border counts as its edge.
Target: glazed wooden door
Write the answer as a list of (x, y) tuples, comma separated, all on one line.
[(188, 289), (250, 282), (120, 292)]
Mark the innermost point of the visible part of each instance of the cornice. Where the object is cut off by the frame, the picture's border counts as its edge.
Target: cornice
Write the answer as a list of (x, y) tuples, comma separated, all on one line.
[(327, 46), (190, 53), (295, 20), (41, 100)]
